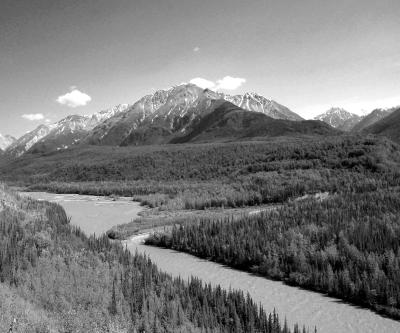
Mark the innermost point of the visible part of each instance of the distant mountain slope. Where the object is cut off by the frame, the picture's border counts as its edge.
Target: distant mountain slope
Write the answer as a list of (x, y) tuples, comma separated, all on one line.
[(258, 103), (61, 134), (5, 141), (174, 112), (389, 126), (371, 118), (228, 121), (64, 133), (25, 142), (339, 118)]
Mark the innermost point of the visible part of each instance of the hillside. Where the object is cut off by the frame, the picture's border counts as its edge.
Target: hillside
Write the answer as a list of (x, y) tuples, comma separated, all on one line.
[(205, 175), (201, 161), (228, 121), (371, 119), (389, 126)]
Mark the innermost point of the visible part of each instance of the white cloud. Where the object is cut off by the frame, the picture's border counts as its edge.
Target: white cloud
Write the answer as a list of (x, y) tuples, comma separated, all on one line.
[(33, 116), (203, 83), (355, 105), (196, 49), (74, 98), (230, 83), (226, 83), (47, 121)]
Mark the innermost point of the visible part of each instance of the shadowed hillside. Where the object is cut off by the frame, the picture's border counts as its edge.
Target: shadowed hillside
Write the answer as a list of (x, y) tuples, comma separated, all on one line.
[(233, 123), (389, 126)]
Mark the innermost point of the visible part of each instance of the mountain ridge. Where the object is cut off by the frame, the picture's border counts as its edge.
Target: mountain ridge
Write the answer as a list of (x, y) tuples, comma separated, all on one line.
[(62, 134)]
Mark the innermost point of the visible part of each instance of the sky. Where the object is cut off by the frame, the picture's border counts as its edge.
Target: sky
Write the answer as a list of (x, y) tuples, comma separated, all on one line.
[(62, 57)]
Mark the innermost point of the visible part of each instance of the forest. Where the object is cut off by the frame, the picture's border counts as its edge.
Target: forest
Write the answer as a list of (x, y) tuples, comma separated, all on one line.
[(205, 176), (56, 279)]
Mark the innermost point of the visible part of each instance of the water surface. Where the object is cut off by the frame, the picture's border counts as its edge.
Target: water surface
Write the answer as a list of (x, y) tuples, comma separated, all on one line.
[(93, 214)]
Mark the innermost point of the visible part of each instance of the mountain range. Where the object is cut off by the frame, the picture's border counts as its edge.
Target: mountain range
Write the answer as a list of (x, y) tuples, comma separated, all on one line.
[(156, 118), (169, 114), (350, 122), (185, 113)]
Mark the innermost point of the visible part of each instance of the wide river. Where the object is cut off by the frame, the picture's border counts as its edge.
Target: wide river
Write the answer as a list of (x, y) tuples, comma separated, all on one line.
[(98, 214)]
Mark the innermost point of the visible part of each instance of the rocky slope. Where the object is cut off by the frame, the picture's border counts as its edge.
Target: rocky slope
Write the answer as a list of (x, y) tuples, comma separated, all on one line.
[(339, 118), (388, 126)]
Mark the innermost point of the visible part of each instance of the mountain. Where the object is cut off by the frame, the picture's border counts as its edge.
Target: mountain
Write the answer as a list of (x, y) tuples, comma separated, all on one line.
[(371, 118), (339, 118), (231, 122), (167, 114), (388, 126), (5, 141), (62, 134)]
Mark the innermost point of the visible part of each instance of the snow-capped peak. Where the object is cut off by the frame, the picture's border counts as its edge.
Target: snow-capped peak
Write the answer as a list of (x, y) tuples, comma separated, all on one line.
[(339, 118)]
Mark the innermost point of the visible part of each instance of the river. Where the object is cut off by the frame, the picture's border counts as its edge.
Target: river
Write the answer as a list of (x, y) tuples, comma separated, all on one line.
[(93, 214), (329, 315)]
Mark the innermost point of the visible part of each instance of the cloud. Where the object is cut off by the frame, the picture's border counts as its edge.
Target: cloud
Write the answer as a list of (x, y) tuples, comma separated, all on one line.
[(226, 83), (33, 116), (230, 83), (196, 49), (74, 98), (203, 83)]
